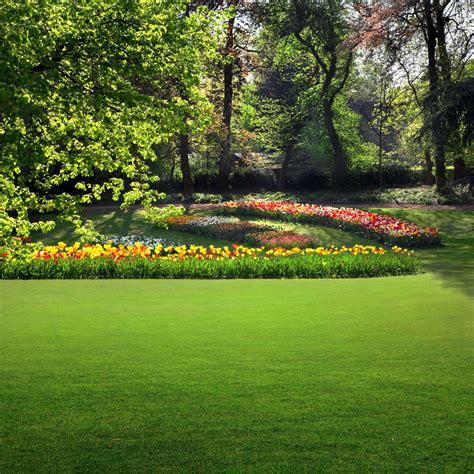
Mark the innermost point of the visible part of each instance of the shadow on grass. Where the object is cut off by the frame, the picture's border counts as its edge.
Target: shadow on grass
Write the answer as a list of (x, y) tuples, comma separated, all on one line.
[(454, 261), (120, 223)]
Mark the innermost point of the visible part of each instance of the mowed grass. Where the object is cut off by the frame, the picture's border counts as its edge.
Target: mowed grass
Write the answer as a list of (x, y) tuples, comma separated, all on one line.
[(244, 376), (119, 223)]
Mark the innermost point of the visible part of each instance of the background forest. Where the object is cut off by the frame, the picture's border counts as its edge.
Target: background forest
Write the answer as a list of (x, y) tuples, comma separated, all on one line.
[(125, 100)]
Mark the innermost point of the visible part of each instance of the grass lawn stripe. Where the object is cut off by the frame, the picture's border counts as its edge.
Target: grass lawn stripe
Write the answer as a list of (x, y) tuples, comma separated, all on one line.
[(250, 375)]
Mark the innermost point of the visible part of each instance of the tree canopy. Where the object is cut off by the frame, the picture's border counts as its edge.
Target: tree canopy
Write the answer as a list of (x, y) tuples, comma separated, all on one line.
[(102, 98), (88, 91)]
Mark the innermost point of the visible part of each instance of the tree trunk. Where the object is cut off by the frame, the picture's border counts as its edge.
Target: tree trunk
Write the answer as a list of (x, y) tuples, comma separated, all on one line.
[(440, 161), (460, 167), (188, 186), (328, 96), (329, 91), (284, 167), (438, 128), (445, 66), (172, 168), (225, 164), (429, 178), (339, 156), (380, 160), (460, 170)]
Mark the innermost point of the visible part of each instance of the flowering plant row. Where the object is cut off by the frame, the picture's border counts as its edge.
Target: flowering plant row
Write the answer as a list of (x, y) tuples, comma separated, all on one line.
[(234, 230), (386, 229), (280, 238), (132, 239), (193, 261)]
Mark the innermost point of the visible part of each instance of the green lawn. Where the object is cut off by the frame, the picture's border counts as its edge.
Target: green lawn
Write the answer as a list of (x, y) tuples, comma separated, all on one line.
[(262, 376)]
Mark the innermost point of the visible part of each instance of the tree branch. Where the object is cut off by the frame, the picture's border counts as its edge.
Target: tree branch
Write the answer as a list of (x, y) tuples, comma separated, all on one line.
[(312, 50), (347, 67)]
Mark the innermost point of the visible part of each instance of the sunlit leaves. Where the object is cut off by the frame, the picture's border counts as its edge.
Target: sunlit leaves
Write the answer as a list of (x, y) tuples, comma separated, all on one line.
[(88, 91)]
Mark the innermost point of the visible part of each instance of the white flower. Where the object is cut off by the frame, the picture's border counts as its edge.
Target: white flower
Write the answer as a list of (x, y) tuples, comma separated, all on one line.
[(142, 239)]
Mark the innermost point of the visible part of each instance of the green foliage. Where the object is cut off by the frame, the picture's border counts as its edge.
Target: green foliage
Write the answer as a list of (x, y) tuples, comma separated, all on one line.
[(88, 91), (159, 215), (247, 113), (206, 198), (282, 82), (461, 194), (361, 153), (288, 101), (307, 266)]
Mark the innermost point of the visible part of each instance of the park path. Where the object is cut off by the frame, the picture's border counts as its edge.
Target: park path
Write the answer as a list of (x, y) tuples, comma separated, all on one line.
[(198, 207)]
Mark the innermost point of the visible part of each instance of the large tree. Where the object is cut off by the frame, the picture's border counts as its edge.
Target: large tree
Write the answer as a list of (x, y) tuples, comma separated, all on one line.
[(373, 96), (282, 79), (228, 54), (446, 48), (322, 29), (86, 97)]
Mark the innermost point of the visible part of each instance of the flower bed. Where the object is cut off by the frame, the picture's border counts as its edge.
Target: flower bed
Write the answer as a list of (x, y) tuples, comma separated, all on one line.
[(217, 227), (234, 230), (386, 229), (63, 261), (280, 238), (133, 239)]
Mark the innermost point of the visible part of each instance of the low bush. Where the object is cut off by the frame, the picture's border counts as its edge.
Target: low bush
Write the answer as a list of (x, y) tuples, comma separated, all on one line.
[(308, 180), (253, 179), (160, 215), (427, 195), (204, 198), (392, 175), (241, 179), (422, 195), (206, 181)]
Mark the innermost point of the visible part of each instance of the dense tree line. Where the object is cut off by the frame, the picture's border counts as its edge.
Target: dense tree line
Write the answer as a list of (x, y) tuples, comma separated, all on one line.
[(106, 96)]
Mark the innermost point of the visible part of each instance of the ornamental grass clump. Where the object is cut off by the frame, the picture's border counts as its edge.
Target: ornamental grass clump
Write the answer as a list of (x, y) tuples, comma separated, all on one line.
[(78, 261), (386, 229)]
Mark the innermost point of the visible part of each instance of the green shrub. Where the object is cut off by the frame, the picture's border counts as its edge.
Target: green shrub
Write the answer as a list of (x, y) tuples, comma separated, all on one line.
[(426, 195), (160, 215), (204, 198)]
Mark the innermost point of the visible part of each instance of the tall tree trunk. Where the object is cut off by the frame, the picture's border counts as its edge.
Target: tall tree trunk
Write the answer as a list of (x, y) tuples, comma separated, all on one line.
[(440, 161), (225, 164), (339, 156), (445, 67), (380, 152), (329, 91), (460, 169), (172, 168), (188, 186), (429, 178), (328, 96), (284, 167), (438, 128)]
